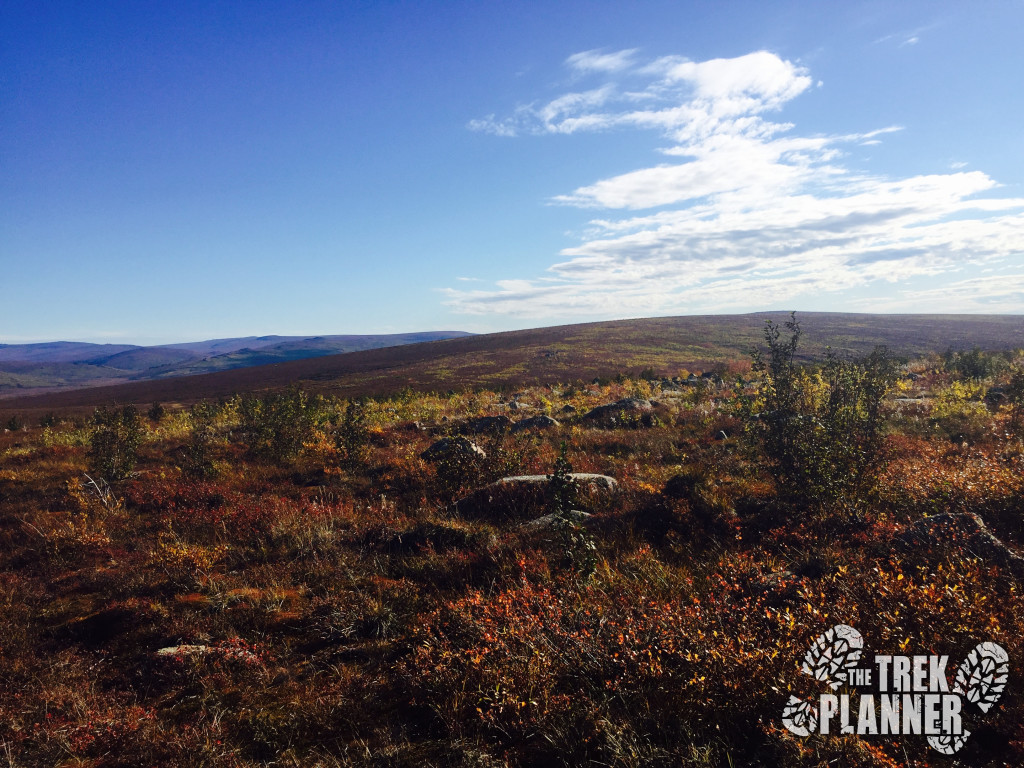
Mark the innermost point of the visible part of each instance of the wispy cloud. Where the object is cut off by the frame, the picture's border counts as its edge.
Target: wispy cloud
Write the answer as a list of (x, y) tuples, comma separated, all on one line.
[(681, 98), (907, 37), (598, 61), (744, 212)]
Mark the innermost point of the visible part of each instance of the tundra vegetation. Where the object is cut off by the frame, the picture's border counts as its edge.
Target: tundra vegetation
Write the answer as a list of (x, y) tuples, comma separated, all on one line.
[(285, 579)]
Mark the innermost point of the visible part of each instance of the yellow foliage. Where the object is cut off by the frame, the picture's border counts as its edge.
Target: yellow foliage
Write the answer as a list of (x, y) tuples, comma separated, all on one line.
[(959, 398), (174, 554)]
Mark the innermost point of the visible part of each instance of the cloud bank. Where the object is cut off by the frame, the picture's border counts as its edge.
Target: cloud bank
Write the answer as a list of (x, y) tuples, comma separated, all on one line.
[(742, 212)]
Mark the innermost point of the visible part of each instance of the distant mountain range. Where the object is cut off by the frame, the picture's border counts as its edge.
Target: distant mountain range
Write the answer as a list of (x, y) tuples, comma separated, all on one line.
[(567, 353), (53, 366)]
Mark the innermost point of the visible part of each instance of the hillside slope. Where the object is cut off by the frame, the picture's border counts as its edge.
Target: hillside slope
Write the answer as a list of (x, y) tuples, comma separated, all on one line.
[(561, 353), (68, 365)]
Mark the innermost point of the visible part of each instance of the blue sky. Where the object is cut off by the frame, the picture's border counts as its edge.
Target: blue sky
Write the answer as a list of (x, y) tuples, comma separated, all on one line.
[(178, 171)]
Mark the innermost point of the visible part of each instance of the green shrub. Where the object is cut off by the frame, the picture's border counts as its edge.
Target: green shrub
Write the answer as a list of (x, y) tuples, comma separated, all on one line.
[(975, 364), (276, 426), (959, 413), (351, 434), (820, 433), (579, 551), (156, 412), (114, 442), (197, 454), (1014, 392)]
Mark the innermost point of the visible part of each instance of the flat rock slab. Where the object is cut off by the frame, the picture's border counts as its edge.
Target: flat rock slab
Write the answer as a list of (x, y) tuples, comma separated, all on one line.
[(523, 497)]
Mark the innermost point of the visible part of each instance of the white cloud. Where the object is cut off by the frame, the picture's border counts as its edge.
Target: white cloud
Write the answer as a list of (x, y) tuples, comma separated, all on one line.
[(912, 37), (992, 294), (679, 97), (597, 61), (748, 214)]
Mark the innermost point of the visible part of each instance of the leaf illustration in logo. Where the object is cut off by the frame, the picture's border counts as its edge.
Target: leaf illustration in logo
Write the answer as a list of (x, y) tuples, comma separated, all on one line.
[(833, 655), (982, 676)]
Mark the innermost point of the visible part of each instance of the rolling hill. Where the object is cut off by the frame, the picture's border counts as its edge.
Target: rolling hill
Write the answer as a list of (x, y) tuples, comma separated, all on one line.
[(68, 365), (561, 353)]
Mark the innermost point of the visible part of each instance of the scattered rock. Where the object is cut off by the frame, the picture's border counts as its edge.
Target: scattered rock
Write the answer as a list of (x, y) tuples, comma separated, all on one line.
[(548, 522), (590, 479), (487, 425), (225, 651), (451, 447), (568, 410), (776, 588), (524, 496), (630, 411), (681, 486), (963, 528), (185, 650), (535, 422), (995, 397)]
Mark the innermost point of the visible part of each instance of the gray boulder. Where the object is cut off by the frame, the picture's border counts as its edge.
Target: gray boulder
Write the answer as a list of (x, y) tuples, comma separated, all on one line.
[(550, 522), (965, 529), (487, 425), (630, 411), (453, 447), (534, 422), (583, 479), (525, 496)]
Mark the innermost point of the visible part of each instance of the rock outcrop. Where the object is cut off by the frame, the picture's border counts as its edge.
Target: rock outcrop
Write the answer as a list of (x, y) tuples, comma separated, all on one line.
[(630, 411), (487, 425), (453, 447), (535, 422), (964, 529), (524, 497)]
